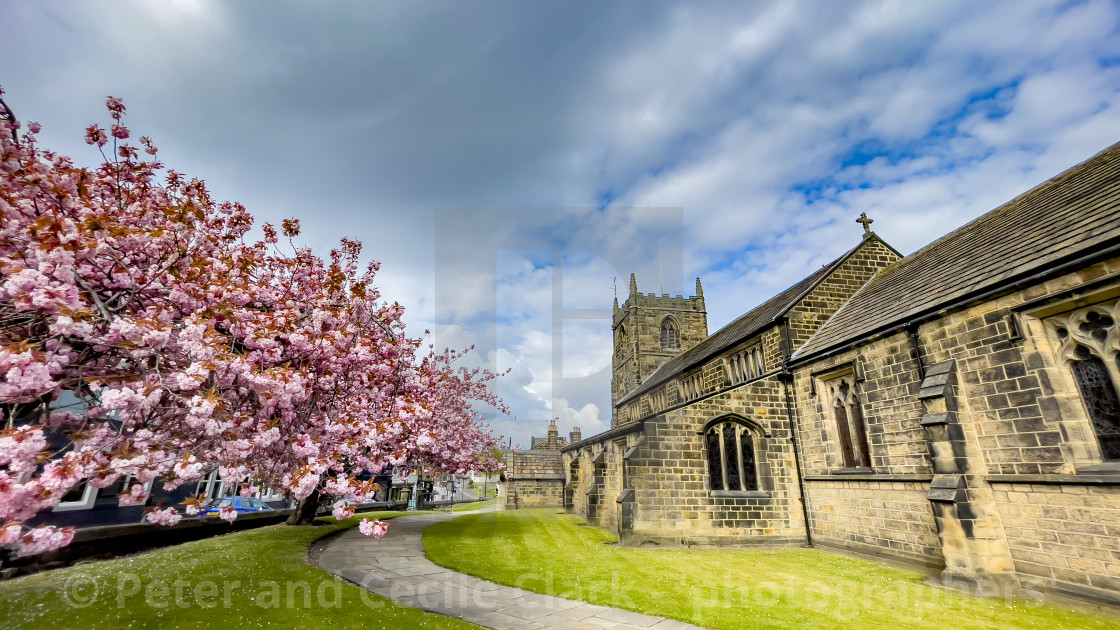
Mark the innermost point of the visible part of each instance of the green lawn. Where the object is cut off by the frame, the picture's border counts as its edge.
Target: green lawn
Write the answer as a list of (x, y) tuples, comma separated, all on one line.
[(252, 579), (477, 505), (547, 552)]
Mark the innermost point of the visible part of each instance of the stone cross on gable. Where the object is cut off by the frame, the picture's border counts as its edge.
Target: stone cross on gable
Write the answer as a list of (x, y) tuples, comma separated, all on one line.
[(866, 221)]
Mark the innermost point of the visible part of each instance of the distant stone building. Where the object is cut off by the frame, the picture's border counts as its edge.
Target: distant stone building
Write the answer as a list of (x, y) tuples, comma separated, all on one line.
[(552, 441), (535, 478), (956, 408)]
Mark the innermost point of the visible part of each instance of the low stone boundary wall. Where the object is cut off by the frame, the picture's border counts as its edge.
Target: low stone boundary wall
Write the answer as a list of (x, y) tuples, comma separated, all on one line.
[(112, 541)]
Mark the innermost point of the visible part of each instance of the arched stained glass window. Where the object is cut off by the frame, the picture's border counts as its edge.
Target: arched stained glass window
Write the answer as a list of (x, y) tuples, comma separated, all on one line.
[(746, 449), (1101, 401), (715, 460), (1088, 340), (731, 457)]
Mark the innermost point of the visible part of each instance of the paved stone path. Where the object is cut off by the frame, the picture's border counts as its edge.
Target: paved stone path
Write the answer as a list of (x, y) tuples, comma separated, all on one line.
[(395, 567)]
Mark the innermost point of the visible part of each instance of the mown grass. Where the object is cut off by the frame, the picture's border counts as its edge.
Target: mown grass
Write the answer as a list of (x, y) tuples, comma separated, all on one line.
[(552, 553), (252, 579), (477, 505)]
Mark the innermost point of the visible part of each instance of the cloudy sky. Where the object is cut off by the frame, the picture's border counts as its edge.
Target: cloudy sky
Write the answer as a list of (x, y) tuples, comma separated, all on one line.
[(507, 161)]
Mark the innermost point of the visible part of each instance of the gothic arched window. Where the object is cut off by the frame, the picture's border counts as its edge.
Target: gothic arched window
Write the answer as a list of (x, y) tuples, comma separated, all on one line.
[(848, 414), (1088, 343), (669, 336), (731, 457), (620, 340), (1100, 399)]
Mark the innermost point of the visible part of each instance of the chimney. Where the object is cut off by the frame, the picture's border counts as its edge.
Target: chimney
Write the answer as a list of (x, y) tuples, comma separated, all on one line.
[(574, 436)]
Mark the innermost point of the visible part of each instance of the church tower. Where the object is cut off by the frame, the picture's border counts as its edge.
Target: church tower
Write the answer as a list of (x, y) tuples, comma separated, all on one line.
[(649, 330)]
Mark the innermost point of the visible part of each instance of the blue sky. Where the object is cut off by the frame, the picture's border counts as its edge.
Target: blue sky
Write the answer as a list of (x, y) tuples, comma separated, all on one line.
[(467, 143)]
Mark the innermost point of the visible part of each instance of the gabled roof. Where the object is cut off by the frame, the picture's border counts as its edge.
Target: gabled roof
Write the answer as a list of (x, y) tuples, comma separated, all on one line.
[(742, 329), (1059, 220)]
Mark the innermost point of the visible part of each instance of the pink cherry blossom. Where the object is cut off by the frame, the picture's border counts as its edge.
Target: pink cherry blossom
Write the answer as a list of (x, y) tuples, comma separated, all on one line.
[(42, 539), (136, 495), (169, 516), (227, 514), (96, 135), (376, 528), (190, 348), (343, 511), (10, 533)]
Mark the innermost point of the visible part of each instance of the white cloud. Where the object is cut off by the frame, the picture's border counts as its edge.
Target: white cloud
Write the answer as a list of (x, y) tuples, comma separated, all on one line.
[(761, 130)]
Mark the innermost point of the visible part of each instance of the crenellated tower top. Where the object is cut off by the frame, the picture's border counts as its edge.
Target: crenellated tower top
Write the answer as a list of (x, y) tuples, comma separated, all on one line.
[(650, 329)]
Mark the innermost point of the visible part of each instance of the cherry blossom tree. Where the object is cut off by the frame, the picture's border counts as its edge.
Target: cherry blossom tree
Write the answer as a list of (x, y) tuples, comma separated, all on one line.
[(188, 348)]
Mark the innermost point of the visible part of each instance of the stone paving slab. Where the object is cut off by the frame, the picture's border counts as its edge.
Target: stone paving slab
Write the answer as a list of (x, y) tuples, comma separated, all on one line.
[(395, 567)]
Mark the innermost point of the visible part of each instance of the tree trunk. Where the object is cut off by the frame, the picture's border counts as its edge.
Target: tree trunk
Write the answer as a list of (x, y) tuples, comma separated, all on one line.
[(306, 510)]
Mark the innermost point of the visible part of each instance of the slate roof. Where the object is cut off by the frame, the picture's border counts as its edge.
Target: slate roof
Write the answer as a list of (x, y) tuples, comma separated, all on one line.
[(743, 328), (1057, 221)]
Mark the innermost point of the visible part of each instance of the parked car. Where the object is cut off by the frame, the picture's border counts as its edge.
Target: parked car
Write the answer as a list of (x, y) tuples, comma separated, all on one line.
[(241, 504)]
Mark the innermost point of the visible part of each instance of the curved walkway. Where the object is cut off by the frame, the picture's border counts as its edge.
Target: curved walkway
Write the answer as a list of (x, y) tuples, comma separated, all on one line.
[(395, 567)]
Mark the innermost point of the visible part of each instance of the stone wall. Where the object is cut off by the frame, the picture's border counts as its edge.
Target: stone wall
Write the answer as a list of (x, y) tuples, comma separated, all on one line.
[(651, 485), (888, 386), (997, 433), (884, 511), (812, 311), (534, 479), (981, 456), (876, 517), (1069, 534), (641, 317)]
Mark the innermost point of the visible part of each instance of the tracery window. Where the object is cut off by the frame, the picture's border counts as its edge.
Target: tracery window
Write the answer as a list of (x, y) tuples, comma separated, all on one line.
[(620, 340), (1089, 343), (847, 412), (669, 334), (731, 457)]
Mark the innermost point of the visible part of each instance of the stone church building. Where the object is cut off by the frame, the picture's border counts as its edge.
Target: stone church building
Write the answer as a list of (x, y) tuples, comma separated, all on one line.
[(956, 408)]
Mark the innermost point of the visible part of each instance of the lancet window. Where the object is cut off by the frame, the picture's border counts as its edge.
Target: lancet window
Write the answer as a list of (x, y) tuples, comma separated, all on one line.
[(670, 335), (847, 413)]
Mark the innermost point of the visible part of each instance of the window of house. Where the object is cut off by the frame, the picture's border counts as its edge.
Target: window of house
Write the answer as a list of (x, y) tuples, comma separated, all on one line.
[(275, 494), (211, 487), (80, 497), (110, 495), (1089, 345), (669, 336), (847, 412), (731, 457)]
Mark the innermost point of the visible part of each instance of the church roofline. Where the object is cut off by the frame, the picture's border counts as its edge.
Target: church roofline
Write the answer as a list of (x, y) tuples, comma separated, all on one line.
[(1061, 223), (1078, 261), (624, 429), (753, 322)]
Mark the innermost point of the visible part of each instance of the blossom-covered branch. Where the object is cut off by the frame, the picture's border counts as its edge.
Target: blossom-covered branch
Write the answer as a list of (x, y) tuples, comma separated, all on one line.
[(182, 348)]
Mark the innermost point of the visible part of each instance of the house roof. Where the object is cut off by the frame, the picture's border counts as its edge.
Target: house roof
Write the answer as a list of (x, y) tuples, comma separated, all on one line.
[(1059, 220), (743, 328)]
